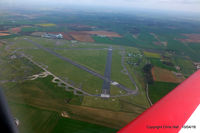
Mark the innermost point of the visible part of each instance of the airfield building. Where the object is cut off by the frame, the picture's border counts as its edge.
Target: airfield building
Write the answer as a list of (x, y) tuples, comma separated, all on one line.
[(105, 93), (105, 96), (53, 36)]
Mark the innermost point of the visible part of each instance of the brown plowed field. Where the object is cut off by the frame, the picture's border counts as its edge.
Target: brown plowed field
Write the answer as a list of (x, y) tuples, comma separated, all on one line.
[(191, 38), (4, 31), (103, 33), (4, 34), (16, 30), (66, 36), (164, 75), (81, 37), (38, 33)]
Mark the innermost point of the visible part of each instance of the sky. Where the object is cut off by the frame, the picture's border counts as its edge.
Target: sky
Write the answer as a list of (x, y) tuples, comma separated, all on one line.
[(170, 5)]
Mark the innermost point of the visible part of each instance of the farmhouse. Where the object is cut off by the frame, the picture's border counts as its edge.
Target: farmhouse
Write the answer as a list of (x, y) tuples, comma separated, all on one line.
[(197, 65), (53, 36), (178, 68), (178, 75)]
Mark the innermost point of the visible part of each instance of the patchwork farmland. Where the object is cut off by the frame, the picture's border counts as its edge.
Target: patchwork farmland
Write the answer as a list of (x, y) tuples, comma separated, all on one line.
[(103, 71)]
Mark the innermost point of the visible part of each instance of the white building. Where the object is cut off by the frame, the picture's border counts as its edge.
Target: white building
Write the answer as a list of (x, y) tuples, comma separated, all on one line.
[(114, 83), (105, 95), (53, 36)]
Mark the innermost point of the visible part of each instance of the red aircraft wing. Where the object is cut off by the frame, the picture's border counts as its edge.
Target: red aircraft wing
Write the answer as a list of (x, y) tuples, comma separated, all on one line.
[(178, 111)]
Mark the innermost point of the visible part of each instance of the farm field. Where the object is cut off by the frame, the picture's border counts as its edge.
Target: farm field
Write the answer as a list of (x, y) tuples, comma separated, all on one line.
[(53, 98), (157, 90), (50, 121), (16, 30), (151, 54), (187, 67), (47, 25), (191, 38), (164, 75), (4, 34), (158, 63), (81, 37), (103, 33)]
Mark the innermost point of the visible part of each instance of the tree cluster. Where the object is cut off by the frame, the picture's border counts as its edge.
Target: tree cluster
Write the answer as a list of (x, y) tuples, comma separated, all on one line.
[(148, 75)]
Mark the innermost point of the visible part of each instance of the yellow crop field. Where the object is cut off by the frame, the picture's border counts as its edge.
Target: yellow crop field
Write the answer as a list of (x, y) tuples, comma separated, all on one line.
[(47, 25), (152, 55)]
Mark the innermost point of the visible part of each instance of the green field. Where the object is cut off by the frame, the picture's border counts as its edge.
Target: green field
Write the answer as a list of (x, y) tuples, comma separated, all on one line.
[(109, 104), (75, 126), (44, 89), (187, 67), (159, 89), (50, 121), (93, 59), (144, 40), (158, 63), (43, 29), (67, 71), (43, 94), (15, 69), (9, 36), (116, 70), (60, 43)]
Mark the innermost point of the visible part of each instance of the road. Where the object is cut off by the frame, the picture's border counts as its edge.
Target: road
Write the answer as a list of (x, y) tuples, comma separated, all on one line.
[(128, 90), (106, 84), (80, 48), (126, 70), (147, 93)]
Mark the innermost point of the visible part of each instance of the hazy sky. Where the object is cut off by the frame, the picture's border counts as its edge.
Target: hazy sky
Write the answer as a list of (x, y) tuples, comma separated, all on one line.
[(178, 5)]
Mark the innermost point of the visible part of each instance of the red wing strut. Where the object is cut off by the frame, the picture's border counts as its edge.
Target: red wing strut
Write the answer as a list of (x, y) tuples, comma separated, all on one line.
[(178, 111)]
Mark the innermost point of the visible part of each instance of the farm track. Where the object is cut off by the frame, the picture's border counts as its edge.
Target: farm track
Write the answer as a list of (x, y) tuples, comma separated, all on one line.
[(147, 94)]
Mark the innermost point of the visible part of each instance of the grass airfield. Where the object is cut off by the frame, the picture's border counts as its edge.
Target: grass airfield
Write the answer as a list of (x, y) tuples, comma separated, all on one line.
[(140, 41), (50, 100)]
